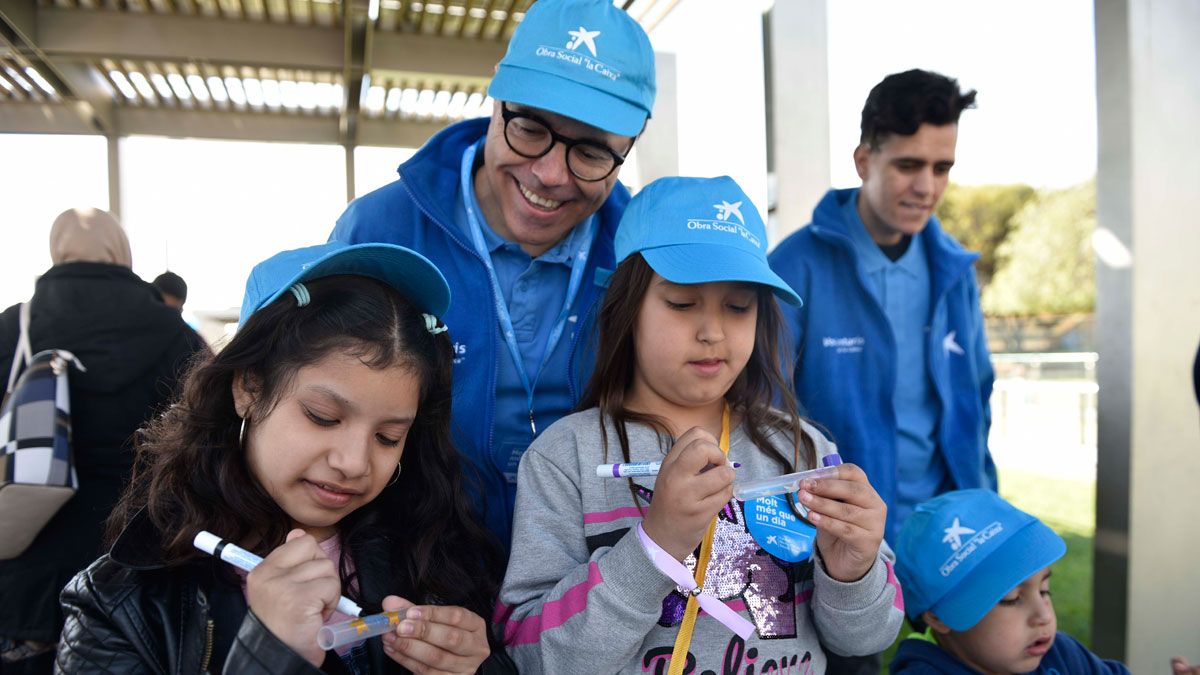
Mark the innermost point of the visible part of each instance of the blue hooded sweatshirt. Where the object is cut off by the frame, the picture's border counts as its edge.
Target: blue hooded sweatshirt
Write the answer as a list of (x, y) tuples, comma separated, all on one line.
[(845, 351), (417, 211), (1066, 657)]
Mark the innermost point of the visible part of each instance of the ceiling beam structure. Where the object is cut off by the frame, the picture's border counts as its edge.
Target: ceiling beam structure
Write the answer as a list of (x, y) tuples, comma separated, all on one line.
[(240, 70), (44, 118), (74, 35), (277, 127), (358, 21), (85, 97)]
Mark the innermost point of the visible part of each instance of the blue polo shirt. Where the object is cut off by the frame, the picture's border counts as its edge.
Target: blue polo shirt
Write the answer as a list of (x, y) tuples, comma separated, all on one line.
[(534, 290), (902, 289)]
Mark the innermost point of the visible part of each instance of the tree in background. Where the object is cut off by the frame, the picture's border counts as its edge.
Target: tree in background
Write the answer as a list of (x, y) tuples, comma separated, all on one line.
[(980, 217), (1046, 264)]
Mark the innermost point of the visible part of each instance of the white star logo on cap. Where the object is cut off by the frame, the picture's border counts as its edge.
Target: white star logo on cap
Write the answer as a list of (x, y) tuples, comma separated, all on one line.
[(725, 209), (954, 535), (583, 36)]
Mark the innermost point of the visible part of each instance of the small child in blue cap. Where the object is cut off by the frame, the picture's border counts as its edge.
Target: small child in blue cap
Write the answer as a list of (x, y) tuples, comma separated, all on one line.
[(976, 571)]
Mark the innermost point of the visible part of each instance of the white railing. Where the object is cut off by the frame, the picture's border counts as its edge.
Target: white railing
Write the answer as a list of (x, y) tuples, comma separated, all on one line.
[(1044, 413)]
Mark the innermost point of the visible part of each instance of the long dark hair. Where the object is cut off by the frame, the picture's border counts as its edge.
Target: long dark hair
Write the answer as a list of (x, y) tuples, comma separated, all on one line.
[(760, 382), (191, 472)]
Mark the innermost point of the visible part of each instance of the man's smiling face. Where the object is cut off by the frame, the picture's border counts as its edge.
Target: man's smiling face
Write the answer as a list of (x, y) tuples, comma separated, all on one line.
[(536, 202)]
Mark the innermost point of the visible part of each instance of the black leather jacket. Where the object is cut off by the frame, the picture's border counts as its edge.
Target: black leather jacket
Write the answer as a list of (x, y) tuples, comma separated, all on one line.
[(126, 613)]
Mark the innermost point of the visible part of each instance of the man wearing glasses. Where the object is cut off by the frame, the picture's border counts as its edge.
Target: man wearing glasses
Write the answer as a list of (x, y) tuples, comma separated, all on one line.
[(519, 212)]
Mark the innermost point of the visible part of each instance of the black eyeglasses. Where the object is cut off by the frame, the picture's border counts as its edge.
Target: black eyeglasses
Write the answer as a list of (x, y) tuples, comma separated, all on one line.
[(531, 137)]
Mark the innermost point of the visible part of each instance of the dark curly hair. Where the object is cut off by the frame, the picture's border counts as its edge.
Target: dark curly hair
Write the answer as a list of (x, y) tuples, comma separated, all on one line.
[(760, 382), (191, 472), (902, 102)]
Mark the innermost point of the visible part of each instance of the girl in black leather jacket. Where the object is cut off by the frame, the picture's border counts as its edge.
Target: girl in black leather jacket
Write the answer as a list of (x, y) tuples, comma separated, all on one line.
[(318, 438)]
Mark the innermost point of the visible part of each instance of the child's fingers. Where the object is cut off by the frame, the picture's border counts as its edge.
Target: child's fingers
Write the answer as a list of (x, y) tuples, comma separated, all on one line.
[(452, 615), (852, 472), (698, 454), (712, 481), (297, 549), (686, 445), (838, 510), (852, 492), (451, 639), (309, 570), (393, 603), (851, 533), (423, 655)]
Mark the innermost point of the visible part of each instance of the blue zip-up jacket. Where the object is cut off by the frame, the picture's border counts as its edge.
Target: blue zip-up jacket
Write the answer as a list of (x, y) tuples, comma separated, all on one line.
[(417, 211), (1066, 657), (845, 351)]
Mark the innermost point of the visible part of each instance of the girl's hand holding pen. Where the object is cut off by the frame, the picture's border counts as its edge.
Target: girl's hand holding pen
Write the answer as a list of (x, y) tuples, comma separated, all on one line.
[(694, 483), (293, 591), (436, 638), (849, 516)]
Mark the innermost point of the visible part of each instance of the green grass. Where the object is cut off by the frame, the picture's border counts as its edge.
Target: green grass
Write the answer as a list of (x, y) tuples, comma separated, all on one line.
[(1067, 506)]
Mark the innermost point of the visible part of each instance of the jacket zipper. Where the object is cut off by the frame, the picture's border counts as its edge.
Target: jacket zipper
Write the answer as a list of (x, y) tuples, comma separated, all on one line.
[(202, 600), (208, 647)]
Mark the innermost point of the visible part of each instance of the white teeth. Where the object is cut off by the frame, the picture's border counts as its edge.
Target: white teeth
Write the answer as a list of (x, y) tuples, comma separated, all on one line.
[(549, 204)]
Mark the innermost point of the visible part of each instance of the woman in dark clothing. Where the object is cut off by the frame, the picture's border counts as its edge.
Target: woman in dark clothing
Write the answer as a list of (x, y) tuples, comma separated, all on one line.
[(319, 439), (133, 346)]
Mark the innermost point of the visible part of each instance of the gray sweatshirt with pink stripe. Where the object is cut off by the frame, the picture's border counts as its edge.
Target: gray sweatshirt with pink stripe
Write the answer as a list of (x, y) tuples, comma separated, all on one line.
[(582, 596)]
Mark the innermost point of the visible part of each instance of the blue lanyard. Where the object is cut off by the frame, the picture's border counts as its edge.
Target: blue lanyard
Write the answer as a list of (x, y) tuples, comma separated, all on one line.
[(506, 326)]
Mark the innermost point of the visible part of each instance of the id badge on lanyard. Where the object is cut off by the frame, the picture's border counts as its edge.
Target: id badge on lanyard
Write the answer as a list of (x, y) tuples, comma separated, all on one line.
[(504, 318)]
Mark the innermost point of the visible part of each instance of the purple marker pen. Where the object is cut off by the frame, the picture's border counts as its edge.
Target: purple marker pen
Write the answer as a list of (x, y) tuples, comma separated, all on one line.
[(636, 469)]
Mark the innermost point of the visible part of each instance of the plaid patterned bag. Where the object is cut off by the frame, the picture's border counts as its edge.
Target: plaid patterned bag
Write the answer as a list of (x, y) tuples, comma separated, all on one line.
[(37, 469)]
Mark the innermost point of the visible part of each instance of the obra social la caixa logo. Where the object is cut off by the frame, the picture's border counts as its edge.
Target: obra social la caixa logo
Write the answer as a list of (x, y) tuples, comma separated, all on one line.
[(723, 222), (571, 53), (961, 550)]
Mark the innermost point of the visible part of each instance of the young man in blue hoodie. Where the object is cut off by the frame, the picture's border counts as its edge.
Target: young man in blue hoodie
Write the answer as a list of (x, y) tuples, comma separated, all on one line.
[(519, 212), (976, 572), (890, 351)]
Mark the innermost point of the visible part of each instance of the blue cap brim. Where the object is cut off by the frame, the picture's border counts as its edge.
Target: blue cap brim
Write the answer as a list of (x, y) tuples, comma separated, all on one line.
[(568, 98), (1028, 550), (707, 263), (407, 271)]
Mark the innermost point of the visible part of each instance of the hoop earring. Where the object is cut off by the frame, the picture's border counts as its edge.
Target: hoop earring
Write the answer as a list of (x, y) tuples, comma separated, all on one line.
[(396, 478), (242, 433)]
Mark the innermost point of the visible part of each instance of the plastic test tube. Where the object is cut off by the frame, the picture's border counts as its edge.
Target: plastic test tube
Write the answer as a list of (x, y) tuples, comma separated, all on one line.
[(245, 560), (785, 484), (636, 469), (338, 634)]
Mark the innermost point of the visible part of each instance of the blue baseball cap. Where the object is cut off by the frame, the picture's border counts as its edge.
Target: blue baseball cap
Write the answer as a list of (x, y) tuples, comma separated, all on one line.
[(405, 270), (699, 230), (960, 553), (584, 59)]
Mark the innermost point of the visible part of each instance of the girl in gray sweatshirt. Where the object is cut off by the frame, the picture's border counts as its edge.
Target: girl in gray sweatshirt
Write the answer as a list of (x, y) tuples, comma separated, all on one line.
[(670, 573)]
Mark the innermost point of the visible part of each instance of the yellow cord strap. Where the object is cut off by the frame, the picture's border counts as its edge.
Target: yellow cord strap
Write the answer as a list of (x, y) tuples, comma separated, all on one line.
[(684, 639)]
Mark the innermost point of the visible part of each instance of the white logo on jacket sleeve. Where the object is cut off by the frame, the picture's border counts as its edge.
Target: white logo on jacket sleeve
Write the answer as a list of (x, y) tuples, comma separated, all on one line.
[(460, 352), (584, 37), (844, 345), (950, 346)]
